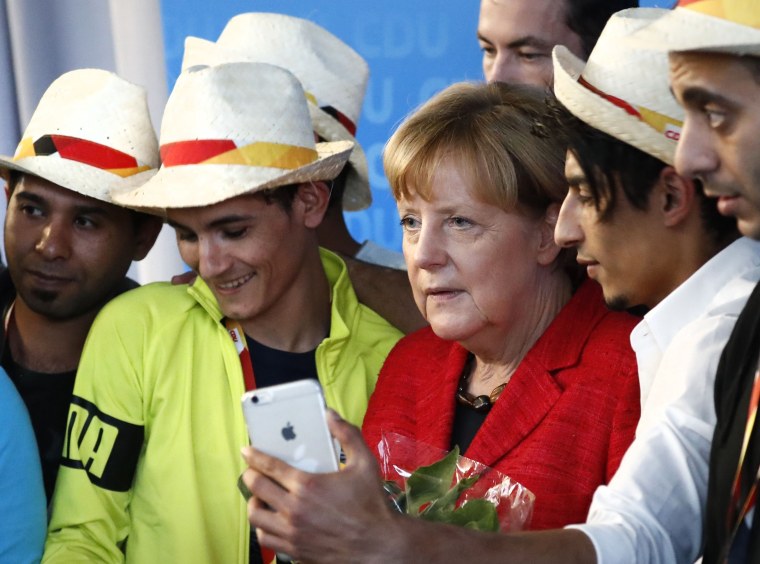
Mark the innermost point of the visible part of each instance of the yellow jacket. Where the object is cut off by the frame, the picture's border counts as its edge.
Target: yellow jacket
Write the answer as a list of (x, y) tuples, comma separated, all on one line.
[(152, 456)]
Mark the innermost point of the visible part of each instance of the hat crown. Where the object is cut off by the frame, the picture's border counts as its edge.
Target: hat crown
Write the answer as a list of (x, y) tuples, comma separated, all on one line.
[(329, 70), (90, 133), (743, 12), (235, 129), (636, 76), (621, 90), (333, 75), (97, 106), (241, 102)]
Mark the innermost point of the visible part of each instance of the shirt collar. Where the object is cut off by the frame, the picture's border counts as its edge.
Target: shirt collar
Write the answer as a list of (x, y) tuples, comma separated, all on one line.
[(693, 297)]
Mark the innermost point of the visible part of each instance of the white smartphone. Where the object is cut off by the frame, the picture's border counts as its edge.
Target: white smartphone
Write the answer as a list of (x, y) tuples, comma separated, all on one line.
[(288, 421)]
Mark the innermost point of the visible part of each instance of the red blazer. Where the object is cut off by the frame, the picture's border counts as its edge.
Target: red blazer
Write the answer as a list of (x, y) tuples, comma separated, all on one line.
[(562, 423)]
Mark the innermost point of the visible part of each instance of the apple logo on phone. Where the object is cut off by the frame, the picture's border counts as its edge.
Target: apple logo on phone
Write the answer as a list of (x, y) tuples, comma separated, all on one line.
[(288, 433)]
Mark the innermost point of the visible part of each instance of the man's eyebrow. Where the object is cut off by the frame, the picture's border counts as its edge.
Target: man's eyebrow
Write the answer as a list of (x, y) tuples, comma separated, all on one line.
[(30, 196), (233, 218), (576, 180), (698, 96), (526, 41), (530, 41), (176, 225), (91, 210), (218, 222)]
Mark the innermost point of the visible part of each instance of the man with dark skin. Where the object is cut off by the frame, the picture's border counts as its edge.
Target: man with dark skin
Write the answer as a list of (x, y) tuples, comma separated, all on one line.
[(68, 247)]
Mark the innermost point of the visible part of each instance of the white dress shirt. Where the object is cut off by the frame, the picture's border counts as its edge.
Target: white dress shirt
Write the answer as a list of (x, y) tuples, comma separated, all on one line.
[(652, 509)]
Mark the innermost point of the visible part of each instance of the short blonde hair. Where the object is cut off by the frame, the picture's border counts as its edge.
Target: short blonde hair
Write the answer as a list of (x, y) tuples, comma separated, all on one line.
[(495, 133)]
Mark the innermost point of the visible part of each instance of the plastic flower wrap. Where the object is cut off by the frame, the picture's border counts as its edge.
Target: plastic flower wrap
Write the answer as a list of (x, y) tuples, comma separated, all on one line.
[(426, 482)]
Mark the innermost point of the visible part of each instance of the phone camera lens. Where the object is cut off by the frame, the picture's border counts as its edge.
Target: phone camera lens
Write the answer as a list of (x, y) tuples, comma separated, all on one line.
[(255, 399)]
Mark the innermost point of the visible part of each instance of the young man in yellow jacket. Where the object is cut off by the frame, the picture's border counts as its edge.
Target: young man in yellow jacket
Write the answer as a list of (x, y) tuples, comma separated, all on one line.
[(152, 454)]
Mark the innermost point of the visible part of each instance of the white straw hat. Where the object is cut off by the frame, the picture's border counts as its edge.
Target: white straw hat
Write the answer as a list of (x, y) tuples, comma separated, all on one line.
[(233, 129), (90, 133), (621, 90), (722, 26), (333, 75)]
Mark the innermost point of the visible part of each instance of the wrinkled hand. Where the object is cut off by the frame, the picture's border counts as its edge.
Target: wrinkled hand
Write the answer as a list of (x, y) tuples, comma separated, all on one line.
[(333, 517), (184, 278)]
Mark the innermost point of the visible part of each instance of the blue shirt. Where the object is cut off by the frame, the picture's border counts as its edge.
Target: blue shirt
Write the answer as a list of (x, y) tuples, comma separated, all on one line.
[(23, 516)]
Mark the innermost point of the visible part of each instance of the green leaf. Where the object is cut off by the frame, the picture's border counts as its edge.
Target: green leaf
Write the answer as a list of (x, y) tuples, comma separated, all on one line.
[(430, 487), (428, 483), (447, 502), (478, 514)]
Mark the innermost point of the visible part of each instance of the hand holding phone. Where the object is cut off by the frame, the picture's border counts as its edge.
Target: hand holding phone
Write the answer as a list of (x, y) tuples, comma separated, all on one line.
[(288, 421)]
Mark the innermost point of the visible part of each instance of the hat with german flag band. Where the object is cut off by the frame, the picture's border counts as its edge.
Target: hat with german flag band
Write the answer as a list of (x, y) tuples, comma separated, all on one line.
[(333, 75), (622, 90), (720, 26), (90, 133), (230, 130)]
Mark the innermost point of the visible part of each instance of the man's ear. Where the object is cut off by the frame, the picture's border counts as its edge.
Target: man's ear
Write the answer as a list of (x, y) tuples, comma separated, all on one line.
[(147, 229), (677, 196), (313, 198), (547, 247)]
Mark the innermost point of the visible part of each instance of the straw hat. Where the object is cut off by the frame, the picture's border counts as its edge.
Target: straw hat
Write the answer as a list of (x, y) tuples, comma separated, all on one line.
[(333, 75), (722, 26), (91, 133), (233, 129), (621, 90)]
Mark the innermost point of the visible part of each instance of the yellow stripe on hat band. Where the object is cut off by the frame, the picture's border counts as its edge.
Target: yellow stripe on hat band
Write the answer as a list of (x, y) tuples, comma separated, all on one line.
[(127, 172), (25, 149), (744, 12), (275, 155), (658, 121), (311, 98)]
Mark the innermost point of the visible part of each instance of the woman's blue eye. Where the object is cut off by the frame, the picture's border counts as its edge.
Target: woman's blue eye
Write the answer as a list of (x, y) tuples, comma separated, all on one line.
[(409, 222), (460, 222)]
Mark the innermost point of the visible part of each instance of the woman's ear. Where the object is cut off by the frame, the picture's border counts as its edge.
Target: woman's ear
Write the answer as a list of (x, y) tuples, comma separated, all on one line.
[(678, 196), (548, 250), (313, 198)]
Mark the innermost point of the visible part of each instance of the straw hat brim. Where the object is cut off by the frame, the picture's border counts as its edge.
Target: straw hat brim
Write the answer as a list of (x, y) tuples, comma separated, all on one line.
[(684, 29), (357, 195), (602, 114), (78, 177), (188, 186)]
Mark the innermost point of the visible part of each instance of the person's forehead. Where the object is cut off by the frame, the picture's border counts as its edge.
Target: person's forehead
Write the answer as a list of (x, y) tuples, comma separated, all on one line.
[(509, 20), (697, 76), (698, 60), (233, 209), (30, 184)]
